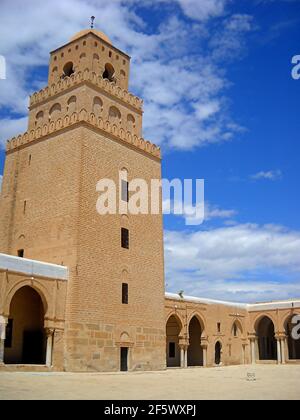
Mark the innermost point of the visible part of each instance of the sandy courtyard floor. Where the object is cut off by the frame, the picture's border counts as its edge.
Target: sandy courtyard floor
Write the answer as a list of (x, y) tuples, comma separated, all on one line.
[(272, 382)]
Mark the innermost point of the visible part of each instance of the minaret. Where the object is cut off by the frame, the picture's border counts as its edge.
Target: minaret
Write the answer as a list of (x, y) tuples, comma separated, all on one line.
[(83, 127)]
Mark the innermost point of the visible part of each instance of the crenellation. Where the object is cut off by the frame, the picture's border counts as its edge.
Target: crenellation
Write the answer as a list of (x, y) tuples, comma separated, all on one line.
[(87, 76), (75, 119)]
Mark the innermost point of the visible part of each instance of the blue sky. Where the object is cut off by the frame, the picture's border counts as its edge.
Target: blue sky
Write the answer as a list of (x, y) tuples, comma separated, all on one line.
[(219, 99)]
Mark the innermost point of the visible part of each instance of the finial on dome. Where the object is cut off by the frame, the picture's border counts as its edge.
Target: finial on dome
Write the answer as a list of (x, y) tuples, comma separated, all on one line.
[(92, 22)]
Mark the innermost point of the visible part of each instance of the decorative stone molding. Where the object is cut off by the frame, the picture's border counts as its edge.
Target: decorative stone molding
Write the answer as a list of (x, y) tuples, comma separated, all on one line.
[(86, 76), (93, 121)]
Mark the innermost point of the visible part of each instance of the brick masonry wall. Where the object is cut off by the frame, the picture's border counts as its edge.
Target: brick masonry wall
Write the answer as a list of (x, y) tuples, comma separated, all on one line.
[(95, 288)]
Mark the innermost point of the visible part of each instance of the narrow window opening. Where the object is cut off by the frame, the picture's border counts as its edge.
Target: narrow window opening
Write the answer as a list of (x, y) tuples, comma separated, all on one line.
[(125, 238), (21, 253), (124, 293), (125, 191), (219, 327)]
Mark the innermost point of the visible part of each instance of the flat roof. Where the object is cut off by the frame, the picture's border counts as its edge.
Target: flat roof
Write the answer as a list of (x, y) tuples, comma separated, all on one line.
[(251, 307), (33, 268)]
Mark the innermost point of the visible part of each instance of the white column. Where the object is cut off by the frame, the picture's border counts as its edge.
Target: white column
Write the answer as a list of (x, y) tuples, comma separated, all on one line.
[(278, 351), (3, 323), (283, 351), (253, 357), (186, 358), (49, 333), (244, 353), (181, 357), (204, 356)]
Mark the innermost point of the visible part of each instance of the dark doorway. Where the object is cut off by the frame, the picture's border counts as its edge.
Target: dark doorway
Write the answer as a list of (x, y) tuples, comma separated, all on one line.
[(26, 341), (266, 339), (293, 345), (33, 348), (195, 352), (173, 351), (218, 350), (124, 359)]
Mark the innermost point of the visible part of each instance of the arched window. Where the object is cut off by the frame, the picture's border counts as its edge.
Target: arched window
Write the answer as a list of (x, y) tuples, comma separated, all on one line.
[(97, 106), (82, 56), (114, 115), (68, 69), (123, 74), (109, 72), (55, 111), (72, 104), (96, 57)]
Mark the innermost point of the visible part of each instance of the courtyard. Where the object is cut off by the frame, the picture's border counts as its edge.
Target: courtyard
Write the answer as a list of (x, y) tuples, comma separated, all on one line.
[(236, 382)]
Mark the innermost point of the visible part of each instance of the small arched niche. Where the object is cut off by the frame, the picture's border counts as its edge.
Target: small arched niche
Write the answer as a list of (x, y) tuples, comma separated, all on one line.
[(114, 115), (97, 106), (72, 104), (236, 329), (39, 118), (55, 111), (130, 122)]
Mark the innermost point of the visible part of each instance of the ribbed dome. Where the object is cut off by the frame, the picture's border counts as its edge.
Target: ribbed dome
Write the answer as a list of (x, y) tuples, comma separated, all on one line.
[(93, 31)]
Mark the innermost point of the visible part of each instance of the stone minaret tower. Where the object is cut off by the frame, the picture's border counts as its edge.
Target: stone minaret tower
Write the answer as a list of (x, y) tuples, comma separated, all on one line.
[(83, 127)]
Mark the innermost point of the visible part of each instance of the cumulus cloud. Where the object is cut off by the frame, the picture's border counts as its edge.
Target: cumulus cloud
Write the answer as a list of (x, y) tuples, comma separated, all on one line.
[(234, 262), (183, 85), (197, 214), (203, 9), (11, 126), (269, 175)]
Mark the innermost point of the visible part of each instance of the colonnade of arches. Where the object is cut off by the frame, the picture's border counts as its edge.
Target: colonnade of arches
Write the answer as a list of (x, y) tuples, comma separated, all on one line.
[(269, 345), (187, 345), (192, 351), (27, 341)]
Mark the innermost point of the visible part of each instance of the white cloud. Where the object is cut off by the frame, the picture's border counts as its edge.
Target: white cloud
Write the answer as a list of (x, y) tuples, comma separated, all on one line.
[(214, 212), (10, 127), (269, 175), (234, 262), (193, 215), (184, 88), (203, 9), (206, 110), (229, 42)]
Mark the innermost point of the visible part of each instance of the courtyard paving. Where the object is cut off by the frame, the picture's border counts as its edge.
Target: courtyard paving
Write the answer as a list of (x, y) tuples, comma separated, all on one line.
[(272, 382)]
